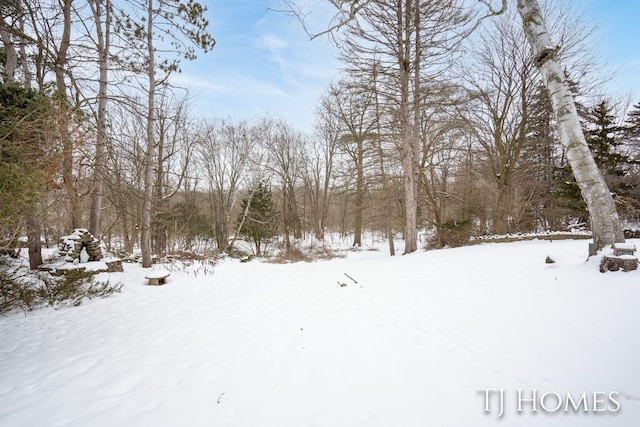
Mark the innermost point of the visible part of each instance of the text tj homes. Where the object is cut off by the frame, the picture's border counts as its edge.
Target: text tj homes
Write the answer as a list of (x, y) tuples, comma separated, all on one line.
[(496, 401)]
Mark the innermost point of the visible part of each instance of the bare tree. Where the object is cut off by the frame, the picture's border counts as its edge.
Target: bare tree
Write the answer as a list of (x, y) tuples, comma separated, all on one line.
[(101, 12), (381, 160), (411, 42), (174, 135), (320, 173), (502, 82), (125, 171), (183, 24), (354, 109), (225, 149), (285, 150), (61, 69)]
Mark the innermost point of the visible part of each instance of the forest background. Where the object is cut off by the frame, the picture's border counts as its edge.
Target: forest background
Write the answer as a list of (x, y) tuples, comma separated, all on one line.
[(97, 132)]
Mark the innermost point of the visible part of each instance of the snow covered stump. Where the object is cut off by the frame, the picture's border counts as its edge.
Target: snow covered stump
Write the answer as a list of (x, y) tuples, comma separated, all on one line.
[(623, 257)]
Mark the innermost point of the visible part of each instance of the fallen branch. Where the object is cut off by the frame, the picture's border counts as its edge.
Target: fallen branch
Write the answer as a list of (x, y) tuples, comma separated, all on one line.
[(220, 397), (354, 280)]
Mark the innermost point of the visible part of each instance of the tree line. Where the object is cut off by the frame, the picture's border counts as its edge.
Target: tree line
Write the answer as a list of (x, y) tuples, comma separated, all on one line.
[(435, 123)]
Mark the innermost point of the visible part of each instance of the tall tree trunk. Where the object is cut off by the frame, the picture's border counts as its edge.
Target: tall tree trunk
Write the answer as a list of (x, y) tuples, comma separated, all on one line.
[(11, 57), (145, 235), (501, 224), (103, 34), (357, 229), (406, 131), (383, 175), (159, 225), (326, 193), (245, 215), (295, 217), (34, 234), (221, 223), (385, 196), (286, 218), (60, 70), (417, 112), (24, 61), (129, 240), (605, 223), (314, 189)]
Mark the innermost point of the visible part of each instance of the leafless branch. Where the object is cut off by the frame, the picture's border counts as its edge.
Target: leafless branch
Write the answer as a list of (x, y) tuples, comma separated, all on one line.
[(346, 11)]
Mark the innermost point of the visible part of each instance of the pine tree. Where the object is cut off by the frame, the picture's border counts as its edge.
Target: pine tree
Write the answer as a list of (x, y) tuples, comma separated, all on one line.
[(602, 136), (606, 141), (28, 160), (539, 153), (631, 128), (567, 194), (634, 117), (631, 135), (258, 219)]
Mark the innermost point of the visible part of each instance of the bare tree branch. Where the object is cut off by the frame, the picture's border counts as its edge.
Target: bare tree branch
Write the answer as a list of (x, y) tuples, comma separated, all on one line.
[(348, 10)]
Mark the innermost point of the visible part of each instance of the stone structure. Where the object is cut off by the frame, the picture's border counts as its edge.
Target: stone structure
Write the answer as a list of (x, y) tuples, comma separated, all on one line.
[(623, 258), (71, 247)]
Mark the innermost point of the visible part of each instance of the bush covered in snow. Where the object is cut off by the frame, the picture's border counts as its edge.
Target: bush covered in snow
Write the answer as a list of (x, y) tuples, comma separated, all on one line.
[(27, 290)]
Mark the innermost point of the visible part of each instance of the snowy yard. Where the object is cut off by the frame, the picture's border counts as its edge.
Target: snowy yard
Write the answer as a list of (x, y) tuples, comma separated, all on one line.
[(268, 345)]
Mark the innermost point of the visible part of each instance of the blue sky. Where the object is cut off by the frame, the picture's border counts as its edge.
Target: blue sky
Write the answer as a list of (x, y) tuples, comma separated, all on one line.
[(618, 26), (263, 62)]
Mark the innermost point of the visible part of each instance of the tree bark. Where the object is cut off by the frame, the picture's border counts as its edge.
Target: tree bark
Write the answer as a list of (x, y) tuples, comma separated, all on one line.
[(503, 205), (34, 233), (11, 57), (60, 71), (406, 132), (383, 175), (159, 221), (102, 34), (359, 202), (605, 223), (145, 235)]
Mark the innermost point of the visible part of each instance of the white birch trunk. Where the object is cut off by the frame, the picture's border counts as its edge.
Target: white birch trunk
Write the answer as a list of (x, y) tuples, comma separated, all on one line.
[(605, 223)]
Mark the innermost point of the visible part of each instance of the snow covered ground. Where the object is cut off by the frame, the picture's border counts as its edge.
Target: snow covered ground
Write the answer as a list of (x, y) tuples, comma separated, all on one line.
[(416, 342)]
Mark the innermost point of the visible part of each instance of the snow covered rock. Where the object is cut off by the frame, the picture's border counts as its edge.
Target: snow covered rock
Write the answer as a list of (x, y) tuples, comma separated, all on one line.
[(80, 246)]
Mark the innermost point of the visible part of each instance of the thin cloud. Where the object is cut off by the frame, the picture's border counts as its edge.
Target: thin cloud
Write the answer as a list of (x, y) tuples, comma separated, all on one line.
[(272, 43), (238, 84)]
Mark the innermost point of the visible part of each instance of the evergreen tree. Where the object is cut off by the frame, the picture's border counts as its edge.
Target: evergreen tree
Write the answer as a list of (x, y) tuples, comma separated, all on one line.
[(257, 221), (27, 162), (606, 141), (631, 133), (539, 155), (631, 129), (633, 118), (603, 138), (568, 195)]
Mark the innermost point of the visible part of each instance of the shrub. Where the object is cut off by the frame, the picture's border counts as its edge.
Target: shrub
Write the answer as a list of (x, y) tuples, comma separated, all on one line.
[(27, 290), (453, 233)]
